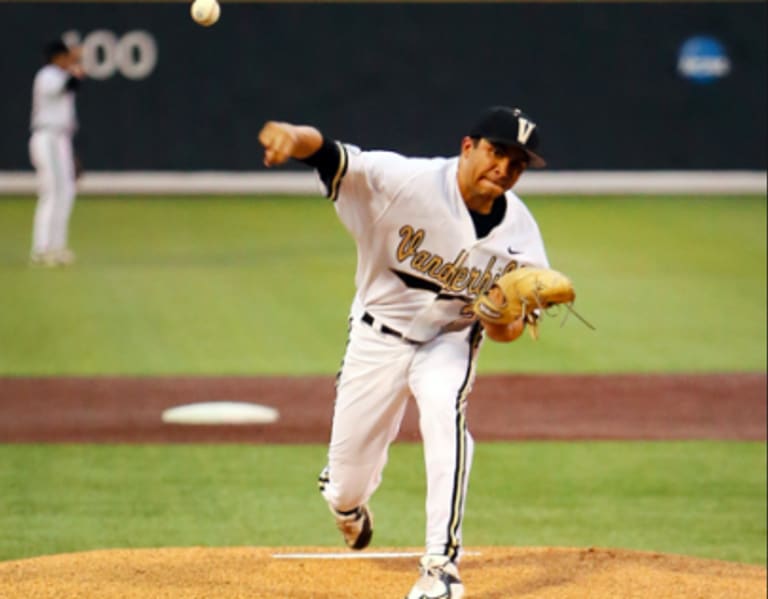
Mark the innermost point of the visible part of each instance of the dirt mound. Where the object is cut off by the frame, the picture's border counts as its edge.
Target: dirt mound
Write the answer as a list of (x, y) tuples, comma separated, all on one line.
[(321, 573)]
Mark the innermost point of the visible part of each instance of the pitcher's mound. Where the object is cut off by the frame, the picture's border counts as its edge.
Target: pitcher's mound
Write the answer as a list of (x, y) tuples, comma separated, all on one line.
[(327, 573)]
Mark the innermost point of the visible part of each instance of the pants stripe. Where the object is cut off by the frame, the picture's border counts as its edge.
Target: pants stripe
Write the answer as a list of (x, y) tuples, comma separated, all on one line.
[(346, 346), (460, 473)]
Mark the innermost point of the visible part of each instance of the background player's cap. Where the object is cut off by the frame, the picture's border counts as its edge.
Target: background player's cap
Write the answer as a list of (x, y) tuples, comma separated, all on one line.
[(53, 49), (510, 127)]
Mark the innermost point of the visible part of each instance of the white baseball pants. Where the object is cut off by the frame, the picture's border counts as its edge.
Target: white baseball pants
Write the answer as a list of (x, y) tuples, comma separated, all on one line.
[(379, 374), (51, 154)]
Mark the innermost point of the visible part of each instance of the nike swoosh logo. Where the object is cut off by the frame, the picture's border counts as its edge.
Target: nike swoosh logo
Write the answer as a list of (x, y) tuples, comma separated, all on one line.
[(513, 252)]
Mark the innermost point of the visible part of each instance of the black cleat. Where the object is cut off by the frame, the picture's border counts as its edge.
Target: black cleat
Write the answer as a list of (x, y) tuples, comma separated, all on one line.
[(356, 526)]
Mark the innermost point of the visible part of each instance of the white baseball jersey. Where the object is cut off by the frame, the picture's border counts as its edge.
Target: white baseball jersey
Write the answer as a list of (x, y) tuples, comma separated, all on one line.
[(419, 260), (53, 105)]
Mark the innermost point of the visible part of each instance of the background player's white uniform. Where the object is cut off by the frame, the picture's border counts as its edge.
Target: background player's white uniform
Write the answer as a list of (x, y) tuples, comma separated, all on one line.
[(419, 264), (53, 124)]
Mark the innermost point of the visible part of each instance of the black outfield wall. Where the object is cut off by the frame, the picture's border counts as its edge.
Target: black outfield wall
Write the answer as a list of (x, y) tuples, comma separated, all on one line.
[(611, 86)]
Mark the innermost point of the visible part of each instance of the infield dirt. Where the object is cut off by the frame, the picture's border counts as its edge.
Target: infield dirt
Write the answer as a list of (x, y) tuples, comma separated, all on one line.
[(125, 410), (496, 573)]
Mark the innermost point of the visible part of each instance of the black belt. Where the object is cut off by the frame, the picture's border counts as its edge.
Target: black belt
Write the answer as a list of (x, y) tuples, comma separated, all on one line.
[(371, 321)]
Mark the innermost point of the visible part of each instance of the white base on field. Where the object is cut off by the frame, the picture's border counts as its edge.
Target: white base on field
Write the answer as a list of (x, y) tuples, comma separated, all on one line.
[(305, 182), (220, 412)]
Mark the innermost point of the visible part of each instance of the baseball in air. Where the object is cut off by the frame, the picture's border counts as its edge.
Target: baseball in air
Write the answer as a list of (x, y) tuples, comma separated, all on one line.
[(205, 12)]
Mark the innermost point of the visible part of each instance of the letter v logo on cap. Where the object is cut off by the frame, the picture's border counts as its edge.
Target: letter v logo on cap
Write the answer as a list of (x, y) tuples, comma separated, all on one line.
[(524, 130)]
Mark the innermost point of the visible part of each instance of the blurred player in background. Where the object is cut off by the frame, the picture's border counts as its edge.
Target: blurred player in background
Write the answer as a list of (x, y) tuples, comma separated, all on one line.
[(53, 124)]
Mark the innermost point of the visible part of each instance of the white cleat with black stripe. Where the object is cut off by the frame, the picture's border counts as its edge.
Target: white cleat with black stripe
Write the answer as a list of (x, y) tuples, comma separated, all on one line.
[(439, 579)]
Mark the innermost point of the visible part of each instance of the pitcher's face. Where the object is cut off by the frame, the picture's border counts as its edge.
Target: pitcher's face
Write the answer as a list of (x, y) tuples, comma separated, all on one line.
[(487, 170)]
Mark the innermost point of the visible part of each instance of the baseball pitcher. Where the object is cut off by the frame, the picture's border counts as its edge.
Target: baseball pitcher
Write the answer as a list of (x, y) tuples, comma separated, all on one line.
[(433, 235)]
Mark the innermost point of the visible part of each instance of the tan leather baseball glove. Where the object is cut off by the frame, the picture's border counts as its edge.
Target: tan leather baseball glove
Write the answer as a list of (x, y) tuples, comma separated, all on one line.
[(524, 292)]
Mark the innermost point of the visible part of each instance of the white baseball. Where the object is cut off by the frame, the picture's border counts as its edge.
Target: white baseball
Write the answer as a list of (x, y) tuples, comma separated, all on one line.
[(205, 12)]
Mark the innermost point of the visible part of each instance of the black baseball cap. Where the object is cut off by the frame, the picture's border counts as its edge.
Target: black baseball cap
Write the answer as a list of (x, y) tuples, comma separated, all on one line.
[(510, 127)]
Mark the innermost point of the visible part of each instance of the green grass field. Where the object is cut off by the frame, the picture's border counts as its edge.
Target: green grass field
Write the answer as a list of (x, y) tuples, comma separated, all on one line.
[(245, 286), (692, 498), (220, 286)]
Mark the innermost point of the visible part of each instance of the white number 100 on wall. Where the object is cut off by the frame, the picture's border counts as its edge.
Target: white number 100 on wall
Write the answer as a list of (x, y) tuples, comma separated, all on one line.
[(134, 54)]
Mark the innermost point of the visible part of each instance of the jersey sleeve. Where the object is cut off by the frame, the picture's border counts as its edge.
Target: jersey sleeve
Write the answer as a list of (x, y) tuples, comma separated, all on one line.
[(362, 184), (330, 162), (51, 82)]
